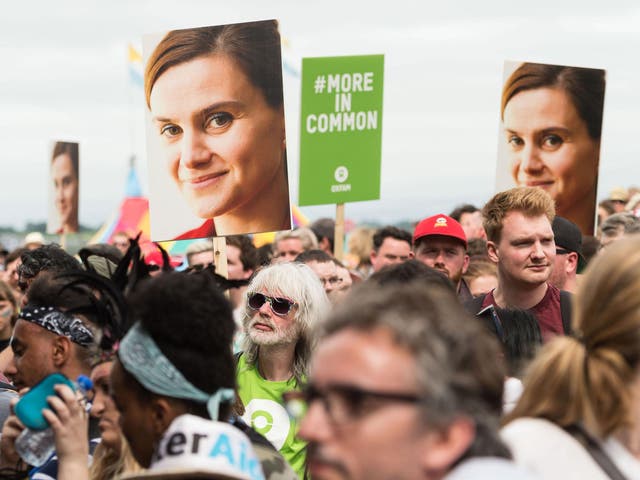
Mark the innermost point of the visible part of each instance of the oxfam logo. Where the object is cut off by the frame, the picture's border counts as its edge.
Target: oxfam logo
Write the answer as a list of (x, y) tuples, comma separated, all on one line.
[(341, 174), (268, 418)]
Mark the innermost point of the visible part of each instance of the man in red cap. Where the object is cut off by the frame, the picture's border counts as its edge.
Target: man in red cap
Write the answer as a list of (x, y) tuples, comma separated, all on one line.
[(440, 242)]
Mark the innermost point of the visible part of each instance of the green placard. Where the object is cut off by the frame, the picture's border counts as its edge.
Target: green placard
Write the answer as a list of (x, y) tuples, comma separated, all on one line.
[(341, 129)]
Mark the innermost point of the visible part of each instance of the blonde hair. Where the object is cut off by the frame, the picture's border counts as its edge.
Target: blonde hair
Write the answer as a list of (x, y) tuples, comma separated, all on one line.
[(587, 379), (530, 201), (108, 463), (479, 267), (7, 294), (304, 234), (360, 244)]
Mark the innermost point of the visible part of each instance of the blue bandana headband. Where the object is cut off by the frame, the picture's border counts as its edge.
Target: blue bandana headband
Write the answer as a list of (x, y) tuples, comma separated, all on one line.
[(59, 323), (142, 358)]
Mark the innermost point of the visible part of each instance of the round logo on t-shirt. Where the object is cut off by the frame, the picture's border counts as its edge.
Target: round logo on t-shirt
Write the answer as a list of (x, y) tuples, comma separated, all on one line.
[(268, 418)]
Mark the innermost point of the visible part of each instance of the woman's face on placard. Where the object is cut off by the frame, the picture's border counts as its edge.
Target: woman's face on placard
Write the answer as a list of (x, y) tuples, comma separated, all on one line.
[(223, 143), (549, 145), (65, 184)]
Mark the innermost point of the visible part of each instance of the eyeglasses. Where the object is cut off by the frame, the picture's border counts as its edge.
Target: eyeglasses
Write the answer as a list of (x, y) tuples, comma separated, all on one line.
[(279, 306), (333, 281), (341, 402), (562, 251)]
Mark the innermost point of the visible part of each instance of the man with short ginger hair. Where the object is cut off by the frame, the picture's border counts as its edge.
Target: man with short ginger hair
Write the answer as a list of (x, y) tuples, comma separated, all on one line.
[(521, 243)]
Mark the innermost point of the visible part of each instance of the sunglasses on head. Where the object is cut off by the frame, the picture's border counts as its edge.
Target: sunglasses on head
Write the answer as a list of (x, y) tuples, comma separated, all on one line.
[(279, 306)]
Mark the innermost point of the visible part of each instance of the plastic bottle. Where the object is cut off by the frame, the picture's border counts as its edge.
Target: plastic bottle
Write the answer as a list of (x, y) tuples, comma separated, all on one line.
[(35, 447)]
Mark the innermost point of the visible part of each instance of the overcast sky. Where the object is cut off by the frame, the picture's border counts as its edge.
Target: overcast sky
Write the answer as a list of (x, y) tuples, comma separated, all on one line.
[(64, 76)]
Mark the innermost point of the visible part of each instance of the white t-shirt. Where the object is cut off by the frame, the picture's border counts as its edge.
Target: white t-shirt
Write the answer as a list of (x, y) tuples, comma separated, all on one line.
[(551, 453), (489, 468)]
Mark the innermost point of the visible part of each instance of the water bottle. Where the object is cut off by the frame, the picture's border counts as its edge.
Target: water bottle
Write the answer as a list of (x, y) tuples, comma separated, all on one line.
[(35, 447)]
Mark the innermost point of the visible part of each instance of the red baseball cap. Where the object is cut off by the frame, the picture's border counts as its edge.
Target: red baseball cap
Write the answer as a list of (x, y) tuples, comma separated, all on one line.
[(155, 258), (440, 225)]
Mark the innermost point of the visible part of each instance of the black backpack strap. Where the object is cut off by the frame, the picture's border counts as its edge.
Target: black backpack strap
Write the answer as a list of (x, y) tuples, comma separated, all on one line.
[(565, 311), (593, 447)]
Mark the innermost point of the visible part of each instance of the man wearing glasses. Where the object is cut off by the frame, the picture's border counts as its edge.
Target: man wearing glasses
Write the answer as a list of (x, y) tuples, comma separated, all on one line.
[(284, 301), (325, 268), (403, 385)]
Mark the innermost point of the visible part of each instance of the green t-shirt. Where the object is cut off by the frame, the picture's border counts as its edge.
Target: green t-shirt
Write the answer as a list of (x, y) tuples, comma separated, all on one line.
[(265, 412)]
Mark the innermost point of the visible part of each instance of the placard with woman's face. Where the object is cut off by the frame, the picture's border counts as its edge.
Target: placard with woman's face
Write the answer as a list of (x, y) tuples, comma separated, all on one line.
[(64, 174), (216, 145), (551, 124)]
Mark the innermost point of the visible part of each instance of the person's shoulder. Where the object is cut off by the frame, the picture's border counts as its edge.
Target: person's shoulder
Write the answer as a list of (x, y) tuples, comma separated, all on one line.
[(531, 427), (543, 447), (49, 471), (490, 468), (628, 464), (242, 366), (273, 464)]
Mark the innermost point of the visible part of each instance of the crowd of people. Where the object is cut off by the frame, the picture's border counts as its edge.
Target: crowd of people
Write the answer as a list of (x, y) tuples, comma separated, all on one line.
[(494, 342)]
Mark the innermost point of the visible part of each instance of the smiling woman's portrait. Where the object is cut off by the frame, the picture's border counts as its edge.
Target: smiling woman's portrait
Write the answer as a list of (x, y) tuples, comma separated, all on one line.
[(63, 188), (550, 135), (216, 132)]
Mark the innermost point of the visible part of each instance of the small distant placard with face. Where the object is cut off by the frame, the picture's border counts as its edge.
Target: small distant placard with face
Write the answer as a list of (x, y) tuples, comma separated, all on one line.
[(64, 173), (341, 129), (216, 147), (551, 124)]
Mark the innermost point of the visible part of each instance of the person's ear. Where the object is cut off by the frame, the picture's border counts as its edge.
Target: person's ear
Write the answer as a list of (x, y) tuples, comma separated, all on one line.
[(162, 414), (571, 265), (324, 244), (448, 445), (246, 274), (61, 347), (465, 264), (492, 251)]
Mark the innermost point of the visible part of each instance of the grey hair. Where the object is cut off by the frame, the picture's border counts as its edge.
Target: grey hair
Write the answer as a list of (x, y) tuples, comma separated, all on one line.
[(458, 370), (304, 234), (627, 220), (299, 283)]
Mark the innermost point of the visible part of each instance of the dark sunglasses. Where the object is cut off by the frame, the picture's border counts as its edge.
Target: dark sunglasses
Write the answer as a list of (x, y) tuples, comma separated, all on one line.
[(279, 306)]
